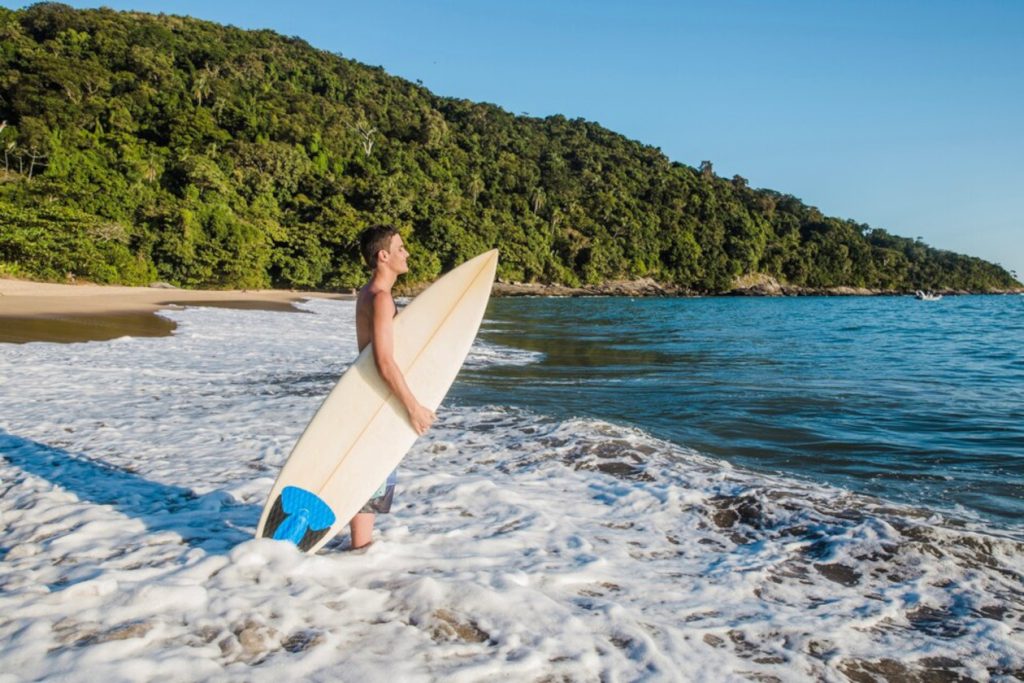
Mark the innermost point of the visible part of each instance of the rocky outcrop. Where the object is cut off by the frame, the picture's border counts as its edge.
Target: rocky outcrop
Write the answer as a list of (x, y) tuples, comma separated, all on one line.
[(756, 284), (762, 284)]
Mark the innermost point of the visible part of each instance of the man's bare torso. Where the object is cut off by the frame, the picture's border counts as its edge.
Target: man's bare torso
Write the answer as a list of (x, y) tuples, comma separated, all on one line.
[(364, 314)]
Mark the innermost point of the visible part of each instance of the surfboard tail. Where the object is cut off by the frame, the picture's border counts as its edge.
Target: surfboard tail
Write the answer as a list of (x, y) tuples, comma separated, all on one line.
[(300, 517)]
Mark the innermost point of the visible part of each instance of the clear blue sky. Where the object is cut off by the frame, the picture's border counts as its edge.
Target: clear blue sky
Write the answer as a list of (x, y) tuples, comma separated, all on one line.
[(907, 115)]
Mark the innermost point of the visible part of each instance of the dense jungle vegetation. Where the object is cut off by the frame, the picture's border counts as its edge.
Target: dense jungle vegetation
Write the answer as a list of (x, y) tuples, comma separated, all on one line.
[(139, 147)]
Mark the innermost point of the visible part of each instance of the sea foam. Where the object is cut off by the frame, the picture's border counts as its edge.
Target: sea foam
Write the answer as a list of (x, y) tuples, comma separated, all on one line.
[(520, 546)]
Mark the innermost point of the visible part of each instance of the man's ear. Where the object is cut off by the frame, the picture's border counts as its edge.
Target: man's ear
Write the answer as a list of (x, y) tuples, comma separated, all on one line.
[(383, 256)]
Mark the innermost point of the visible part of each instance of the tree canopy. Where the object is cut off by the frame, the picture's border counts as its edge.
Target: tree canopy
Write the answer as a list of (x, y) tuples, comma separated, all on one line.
[(140, 147)]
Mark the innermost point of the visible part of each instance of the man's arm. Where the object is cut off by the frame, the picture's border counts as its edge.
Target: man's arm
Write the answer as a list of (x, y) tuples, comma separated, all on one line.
[(420, 416)]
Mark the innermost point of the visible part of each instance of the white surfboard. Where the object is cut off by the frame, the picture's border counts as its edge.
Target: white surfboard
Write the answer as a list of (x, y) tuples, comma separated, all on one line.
[(361, 431)]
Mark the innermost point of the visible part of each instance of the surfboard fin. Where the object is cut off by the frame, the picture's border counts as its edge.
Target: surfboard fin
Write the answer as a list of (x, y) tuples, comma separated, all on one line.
[(299, 516)]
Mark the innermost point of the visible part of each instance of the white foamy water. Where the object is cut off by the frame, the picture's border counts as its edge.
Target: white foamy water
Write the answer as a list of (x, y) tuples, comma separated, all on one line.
[(520, 547)]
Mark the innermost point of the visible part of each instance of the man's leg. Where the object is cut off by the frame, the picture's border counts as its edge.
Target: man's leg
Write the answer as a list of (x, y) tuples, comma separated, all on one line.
[(361, 527)]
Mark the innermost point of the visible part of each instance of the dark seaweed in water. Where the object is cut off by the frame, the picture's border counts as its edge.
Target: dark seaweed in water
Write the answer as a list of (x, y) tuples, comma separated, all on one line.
[(615, 457), (290, 383), (728, 511), (925, 670)]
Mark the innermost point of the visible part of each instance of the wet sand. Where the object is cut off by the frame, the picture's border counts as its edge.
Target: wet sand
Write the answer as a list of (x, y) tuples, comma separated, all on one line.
[(40, 311)]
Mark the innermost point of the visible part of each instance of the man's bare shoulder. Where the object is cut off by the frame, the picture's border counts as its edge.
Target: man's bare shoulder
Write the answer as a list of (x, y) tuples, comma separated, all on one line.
[(382, 301), (369, 295)]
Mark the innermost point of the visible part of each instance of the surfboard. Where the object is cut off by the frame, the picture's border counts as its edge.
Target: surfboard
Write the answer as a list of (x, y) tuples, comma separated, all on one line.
[(361, 431)]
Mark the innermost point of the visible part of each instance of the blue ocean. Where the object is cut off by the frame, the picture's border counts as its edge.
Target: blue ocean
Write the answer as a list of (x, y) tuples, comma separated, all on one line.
[(916, 402)]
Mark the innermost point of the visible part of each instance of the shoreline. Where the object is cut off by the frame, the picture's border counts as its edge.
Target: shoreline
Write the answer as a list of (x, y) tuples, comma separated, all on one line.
[(749, 285), (43, 311), (650, 288)]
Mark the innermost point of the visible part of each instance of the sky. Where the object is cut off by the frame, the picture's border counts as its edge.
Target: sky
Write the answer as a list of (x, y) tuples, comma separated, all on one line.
[(902, 114)]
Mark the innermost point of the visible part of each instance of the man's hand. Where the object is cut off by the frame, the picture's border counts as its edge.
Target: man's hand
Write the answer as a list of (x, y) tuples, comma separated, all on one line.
[(421, 418)]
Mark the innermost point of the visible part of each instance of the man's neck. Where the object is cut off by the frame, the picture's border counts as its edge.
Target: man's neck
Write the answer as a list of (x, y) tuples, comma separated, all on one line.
[(383, 279)]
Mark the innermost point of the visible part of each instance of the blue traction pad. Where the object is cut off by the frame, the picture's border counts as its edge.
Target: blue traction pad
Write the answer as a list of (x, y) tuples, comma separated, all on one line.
[(299, 516)]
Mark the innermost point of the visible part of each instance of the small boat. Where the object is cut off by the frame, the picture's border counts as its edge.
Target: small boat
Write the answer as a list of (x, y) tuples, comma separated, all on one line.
[(927, 296)]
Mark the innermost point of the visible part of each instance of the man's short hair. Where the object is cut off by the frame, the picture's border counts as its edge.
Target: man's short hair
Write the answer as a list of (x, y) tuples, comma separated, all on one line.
[(374, 239)]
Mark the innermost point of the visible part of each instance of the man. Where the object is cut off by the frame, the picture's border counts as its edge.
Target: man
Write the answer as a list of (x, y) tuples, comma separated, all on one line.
[(385, 254)]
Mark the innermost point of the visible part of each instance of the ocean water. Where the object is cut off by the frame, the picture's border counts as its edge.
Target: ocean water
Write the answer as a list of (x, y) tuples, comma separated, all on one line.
[(911, 401), (678, 490)]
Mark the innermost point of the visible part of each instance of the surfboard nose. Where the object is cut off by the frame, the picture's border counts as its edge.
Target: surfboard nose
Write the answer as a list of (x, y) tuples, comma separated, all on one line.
[(490, 259)]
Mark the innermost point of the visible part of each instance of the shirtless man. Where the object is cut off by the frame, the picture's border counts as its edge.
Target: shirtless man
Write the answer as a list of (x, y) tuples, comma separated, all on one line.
[(385, 254)]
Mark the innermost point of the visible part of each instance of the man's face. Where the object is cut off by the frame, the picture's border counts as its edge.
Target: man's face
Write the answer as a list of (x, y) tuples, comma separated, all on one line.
[(398, 256)]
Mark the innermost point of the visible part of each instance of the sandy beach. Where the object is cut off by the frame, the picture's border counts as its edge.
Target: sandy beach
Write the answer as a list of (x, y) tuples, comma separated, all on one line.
[(43, 311)]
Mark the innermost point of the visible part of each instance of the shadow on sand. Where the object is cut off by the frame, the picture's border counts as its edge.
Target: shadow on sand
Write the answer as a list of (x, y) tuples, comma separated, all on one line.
[(213, 522)]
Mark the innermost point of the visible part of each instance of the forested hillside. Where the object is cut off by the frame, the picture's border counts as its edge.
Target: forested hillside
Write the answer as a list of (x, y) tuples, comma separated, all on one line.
[(139, 147)]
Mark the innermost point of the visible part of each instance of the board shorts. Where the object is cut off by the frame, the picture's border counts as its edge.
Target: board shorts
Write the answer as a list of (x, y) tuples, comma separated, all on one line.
[(380, 502)]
